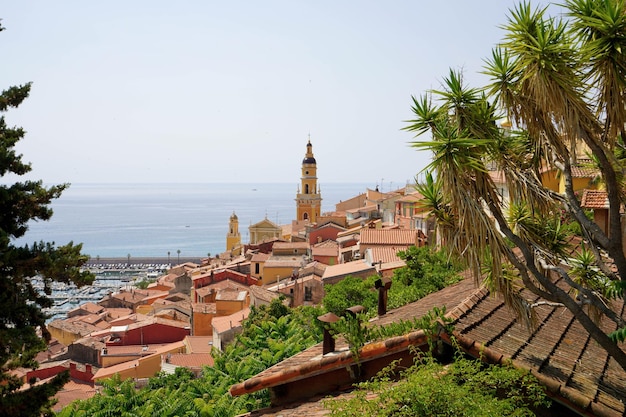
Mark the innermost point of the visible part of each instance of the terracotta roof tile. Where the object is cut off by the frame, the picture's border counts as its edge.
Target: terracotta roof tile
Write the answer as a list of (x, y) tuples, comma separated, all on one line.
[(230, 294), (224, 323), (191, 360), (386, 254), (71, 392), (399, 237), (199, 344), (354, 267), (595, 199), (142, 350), (278, 261), (290, 245), (206, 308), (263, 294), (260, 257), (559, 351), (584, 169)]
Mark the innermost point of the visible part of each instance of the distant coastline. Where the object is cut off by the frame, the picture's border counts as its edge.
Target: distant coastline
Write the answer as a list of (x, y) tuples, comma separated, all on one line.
[(141, 261)]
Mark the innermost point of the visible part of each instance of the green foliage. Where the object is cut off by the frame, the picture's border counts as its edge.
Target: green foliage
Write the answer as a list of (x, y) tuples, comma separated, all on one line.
[(349, 292), (462, 388), (143, 284), (426, 271), (618, 335), (355, 330), (20, 302), (270, 334)]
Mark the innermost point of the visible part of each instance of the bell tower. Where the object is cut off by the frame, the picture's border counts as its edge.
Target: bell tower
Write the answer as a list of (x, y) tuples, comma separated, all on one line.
[(233, 238), (308, 199)]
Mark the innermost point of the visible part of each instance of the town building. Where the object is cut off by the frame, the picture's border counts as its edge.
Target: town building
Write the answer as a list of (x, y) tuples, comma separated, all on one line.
[(308, 198), (233, 237), (264, 231)]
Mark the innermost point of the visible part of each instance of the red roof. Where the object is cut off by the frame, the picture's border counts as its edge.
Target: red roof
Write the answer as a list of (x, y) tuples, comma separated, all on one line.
[(559, 352), (191, 360), (595, 199), (400, 237)]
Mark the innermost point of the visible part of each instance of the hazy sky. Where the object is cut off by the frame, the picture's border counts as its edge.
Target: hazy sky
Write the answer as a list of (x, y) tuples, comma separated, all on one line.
[(229, 91)]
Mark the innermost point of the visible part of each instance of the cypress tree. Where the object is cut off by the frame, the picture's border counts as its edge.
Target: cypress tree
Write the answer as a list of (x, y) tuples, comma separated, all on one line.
[(22, 322)]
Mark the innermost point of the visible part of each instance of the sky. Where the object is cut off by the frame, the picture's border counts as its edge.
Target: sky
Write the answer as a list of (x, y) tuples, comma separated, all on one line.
[(231, 91)]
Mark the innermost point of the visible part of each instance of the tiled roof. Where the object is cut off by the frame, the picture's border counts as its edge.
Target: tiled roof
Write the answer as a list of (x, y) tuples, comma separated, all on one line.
[(584, 169), (206, 308), (75, 327), (403, 237), (134, 349), (386, 254), (290, 245), (116, 313), (92, 319), (198, 344), (90, 308), (325, 248), (191, 360), (260, 257), (112, 370), (413, 197), (224, 323), (231, 295), (71, 392), (283, 262), (312, 361), (573, 368), (595, 199), (360, 266), (262, 294), (559, 352)]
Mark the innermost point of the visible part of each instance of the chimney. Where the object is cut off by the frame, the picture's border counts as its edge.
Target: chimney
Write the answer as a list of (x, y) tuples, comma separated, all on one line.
[(329, 341), (355, 310), (382, 295)]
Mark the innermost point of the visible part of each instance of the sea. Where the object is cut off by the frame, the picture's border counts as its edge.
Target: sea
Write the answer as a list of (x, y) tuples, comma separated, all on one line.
[(159, 220), (176, 222)]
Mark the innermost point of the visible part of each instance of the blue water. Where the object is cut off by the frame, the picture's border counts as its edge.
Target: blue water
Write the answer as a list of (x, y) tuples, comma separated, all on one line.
[(148, 220)]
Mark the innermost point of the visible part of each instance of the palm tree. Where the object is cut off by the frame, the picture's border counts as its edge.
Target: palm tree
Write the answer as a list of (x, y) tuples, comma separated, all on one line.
[(560, 84), (178, 252)]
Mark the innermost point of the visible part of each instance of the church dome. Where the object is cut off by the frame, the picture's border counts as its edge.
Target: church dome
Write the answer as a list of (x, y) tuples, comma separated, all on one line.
[(233, 216), (309, 160)]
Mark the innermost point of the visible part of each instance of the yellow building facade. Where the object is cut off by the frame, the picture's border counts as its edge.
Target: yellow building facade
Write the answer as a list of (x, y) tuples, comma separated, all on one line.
[(233, 237), (308, 198)]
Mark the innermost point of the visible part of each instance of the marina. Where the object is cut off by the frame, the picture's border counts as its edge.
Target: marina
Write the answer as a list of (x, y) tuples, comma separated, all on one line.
[(109, 278)]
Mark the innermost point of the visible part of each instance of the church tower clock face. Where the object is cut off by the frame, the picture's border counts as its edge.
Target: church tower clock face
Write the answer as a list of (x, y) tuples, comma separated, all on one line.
[(308, 199)]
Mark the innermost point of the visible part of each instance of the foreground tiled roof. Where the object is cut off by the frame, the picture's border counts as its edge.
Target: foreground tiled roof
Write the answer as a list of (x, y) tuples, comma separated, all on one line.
[(573, 368), (559, 352), (312, 361)]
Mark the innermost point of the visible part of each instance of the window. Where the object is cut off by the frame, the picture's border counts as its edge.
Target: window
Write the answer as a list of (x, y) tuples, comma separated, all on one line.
[(308, 294), (257, 267)]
